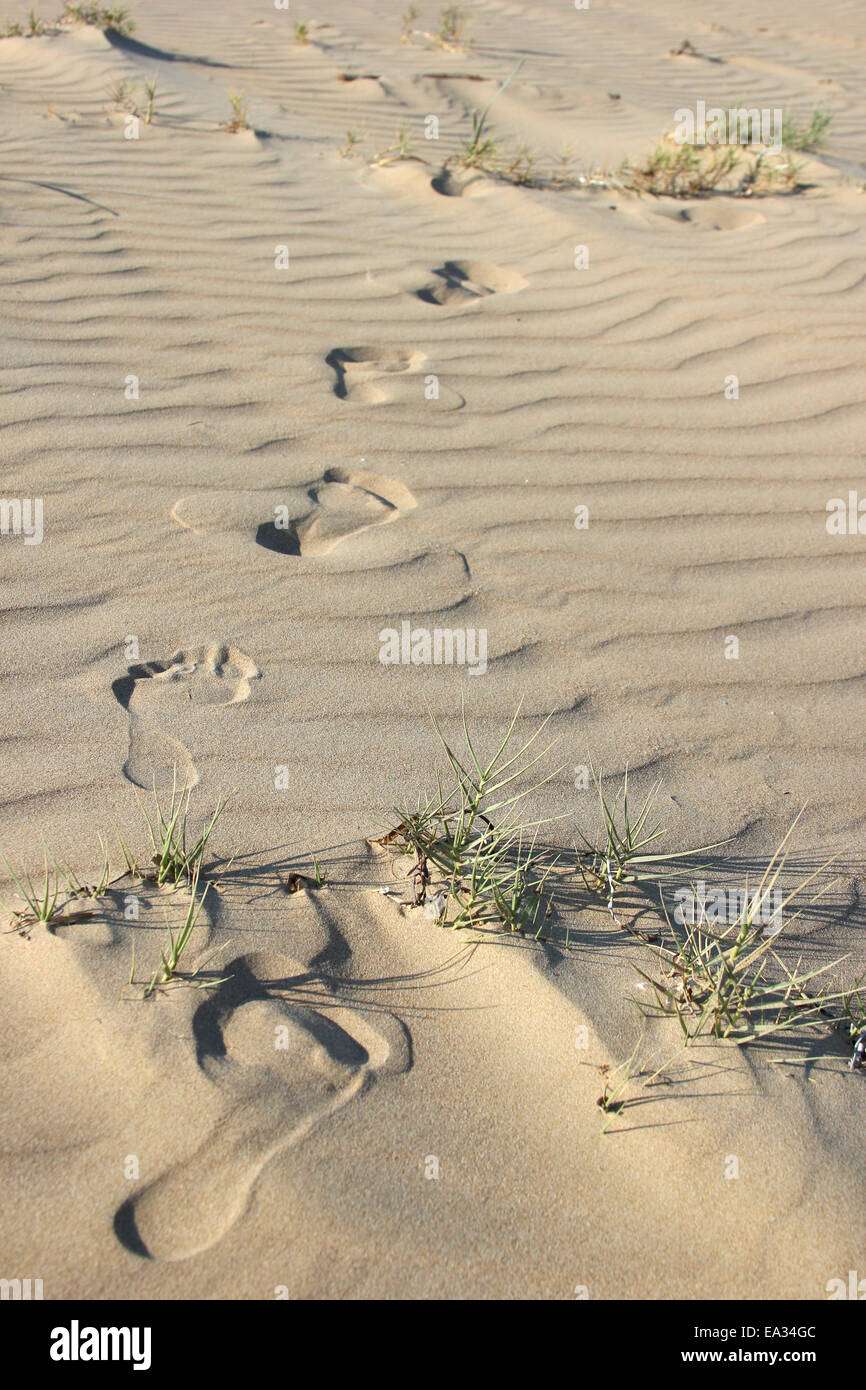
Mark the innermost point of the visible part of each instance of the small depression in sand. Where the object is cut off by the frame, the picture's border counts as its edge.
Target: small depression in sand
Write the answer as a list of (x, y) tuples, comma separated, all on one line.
[(452, 185), (462, 282), (722, 216), (163, 700), (356, 369), (310, 520)]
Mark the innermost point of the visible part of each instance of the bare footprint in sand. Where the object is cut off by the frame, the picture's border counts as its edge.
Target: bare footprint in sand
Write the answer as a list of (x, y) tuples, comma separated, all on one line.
[(345, 503), (463, 282), (163, 698), (283, 1069), (356, 370), (310, 520)]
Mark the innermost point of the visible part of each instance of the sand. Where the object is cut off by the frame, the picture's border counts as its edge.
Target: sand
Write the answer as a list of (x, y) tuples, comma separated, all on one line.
[(277, 400)]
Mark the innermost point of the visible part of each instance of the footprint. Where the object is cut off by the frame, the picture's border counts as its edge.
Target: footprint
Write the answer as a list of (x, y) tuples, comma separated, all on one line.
[(461, 282), (283, 1068), (345, 504), (722, 217), (166, 695), (451, 185), (356, 368)]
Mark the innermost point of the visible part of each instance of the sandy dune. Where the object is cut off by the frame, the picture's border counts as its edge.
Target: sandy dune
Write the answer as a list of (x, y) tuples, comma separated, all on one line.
[(277, 399)]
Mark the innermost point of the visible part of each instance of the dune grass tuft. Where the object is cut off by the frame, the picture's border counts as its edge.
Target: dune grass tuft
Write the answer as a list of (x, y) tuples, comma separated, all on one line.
[(115, 20), (170, 959), (401, 148), (407, 19), (680, 171), (608, 863), (613, 1101), (732, 983), (41, 901), (174, 860), (150, 94), (805, 137), (121, 93), (353, 138), (452, 34), (238, 120), (485, 873)]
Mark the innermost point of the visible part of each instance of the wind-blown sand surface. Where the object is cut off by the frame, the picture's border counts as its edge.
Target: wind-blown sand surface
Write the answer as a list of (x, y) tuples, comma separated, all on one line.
[(170, 1148)]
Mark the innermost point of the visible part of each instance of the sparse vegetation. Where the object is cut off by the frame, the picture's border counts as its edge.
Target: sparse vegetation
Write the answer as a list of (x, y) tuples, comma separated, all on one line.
[(475, 862), (607, 865), (769, 173), (170, 959), (451, 35), (302, 32), (490, 873), (168, 971), (353, 138), (806, 137), (612, 1101), (400, 148), (563, 175), (175, 860), (853, 1007), (452, 28), (680, 171), (41, 902), (77, 888), (519, 165), (150, 94), (116, 20), (480, 151), (732, 983), (406, 21), (121, 94), (238, 120)]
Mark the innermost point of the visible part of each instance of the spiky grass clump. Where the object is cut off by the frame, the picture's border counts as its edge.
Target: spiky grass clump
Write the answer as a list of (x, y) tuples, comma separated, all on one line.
[(168, 972), (485, 872), (406, 22), (613, 1101), (80, 888), (853, 1010), (618, 857), (680, 171), (770, 173), (174, 860), (150, 94), (170, 959), (480, 150), (401, 148), (353, 138), (805, 137), (302, 32), (733, 983), (116, 20), (452, 28), (238, 120), (40, 901), (122, 95)]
